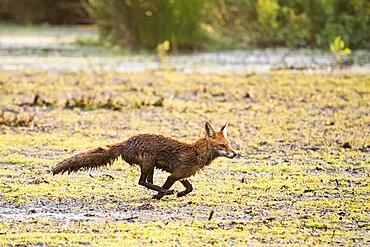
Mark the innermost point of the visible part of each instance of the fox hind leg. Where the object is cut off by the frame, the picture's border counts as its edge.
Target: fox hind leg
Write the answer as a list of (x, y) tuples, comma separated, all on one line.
[(144, 178), (149, 178)]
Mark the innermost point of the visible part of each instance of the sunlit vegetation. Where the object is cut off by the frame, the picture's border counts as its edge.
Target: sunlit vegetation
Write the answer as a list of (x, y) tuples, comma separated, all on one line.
[(225, 24), (205, 24)]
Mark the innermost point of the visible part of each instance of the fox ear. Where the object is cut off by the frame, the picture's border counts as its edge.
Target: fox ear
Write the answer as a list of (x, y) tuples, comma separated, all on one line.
[(210, 132), (224, 130)]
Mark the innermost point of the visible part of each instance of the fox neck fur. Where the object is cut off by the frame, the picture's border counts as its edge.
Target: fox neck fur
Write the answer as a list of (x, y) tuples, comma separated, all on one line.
[(205, 155)]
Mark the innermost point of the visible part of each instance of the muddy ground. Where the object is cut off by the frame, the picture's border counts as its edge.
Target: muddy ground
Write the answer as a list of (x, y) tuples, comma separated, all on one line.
[(302, 179)]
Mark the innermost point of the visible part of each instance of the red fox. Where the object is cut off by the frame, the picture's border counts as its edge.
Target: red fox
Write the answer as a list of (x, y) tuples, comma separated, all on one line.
[(149, 151)]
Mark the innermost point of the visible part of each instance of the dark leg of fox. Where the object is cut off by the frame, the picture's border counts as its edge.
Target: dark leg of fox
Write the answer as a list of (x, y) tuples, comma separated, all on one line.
[(169, 182), (188, 188), (143, 181), (149, 179)]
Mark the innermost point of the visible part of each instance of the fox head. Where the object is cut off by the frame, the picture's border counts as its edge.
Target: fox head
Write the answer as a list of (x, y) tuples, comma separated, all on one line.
[(218, 142)]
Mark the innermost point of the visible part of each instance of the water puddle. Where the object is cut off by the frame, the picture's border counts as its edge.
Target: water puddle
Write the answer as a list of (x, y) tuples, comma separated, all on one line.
[(56, 48)]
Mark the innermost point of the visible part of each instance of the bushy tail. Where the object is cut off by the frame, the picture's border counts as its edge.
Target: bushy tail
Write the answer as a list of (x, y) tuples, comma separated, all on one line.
[(90, 159)]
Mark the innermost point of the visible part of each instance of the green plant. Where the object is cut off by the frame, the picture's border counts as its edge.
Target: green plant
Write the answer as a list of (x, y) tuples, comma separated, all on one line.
[(267, 11), (337, 47)]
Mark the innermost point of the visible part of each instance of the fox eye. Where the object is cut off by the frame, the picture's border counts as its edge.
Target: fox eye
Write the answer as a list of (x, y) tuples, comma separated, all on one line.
[(223, 146)]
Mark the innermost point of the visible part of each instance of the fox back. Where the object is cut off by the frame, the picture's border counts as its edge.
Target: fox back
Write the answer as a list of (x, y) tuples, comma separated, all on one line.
[(157, 150), (178, 158)]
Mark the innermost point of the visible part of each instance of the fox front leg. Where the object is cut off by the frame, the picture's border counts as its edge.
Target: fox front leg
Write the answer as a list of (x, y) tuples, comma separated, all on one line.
[(188, 188), (169, 182)]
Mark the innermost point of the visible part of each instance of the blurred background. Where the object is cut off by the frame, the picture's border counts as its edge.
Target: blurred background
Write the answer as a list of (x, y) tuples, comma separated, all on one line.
[(337, 27)]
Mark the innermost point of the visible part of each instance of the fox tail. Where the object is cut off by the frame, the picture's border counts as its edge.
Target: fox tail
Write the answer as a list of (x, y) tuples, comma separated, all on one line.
[(90, 159)]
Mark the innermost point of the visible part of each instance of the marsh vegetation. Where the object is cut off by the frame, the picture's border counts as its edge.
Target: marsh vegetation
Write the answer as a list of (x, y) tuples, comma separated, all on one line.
[(303, 176)]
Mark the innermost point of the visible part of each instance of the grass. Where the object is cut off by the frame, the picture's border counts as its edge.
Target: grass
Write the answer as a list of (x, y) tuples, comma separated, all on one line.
[(303, 178)]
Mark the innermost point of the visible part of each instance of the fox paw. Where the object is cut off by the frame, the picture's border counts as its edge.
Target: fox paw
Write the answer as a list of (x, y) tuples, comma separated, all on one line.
[(181, 194), (169, 192), (163, 193), (158, 196)]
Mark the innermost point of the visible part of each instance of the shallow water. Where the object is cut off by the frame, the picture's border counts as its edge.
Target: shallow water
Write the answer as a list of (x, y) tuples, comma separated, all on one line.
[(57, 48)]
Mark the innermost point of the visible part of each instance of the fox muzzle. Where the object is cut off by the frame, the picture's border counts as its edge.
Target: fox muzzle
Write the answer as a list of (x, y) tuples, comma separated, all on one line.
[(226, 154)]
